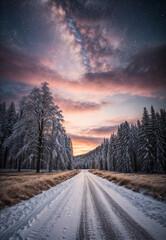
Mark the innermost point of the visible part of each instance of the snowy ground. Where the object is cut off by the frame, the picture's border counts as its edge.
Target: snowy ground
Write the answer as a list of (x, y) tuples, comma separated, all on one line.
[(85, 207)]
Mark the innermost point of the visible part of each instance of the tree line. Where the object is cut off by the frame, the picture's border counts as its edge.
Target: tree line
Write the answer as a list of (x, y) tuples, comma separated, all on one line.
[(34, 137), (137, 147)]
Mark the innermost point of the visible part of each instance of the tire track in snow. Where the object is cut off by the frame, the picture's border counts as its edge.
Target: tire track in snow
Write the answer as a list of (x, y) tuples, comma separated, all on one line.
[(108, 225), (95, 221), (26, 223), (88, 228), (48, 217), (13, 229), (134, 230)]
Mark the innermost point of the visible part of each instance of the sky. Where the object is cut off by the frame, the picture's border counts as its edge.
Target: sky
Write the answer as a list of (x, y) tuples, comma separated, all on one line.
[(104, 60)]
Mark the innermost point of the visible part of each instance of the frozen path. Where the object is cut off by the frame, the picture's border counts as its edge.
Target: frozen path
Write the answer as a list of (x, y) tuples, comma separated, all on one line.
[(85, 207)]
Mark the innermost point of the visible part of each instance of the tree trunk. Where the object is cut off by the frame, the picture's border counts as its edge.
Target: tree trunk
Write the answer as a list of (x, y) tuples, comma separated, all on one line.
[(19, 164), (39, 147), (5, 158), (50, 163), (11, 163), (135, 162), (39, 155), (1, 158)]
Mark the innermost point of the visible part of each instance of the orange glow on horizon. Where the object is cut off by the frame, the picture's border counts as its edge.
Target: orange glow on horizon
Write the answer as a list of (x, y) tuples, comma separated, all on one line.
[(79, 150), (82, 148)]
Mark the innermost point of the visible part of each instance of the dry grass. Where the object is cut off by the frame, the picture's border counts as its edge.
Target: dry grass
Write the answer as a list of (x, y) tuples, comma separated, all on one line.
[(150, 184), (15, 187)]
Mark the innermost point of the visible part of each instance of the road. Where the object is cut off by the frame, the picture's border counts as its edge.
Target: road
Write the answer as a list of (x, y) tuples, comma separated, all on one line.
[(85, 207)]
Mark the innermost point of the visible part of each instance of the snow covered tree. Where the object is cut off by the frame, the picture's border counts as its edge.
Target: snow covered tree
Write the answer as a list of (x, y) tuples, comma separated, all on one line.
[(133, 143), (161, 141), (2, 132), (104, 153), (111, 154), (16, 145), (126, 143), (38, 137), (7, 120), (152, 138), (120, 149), (11, 118), (144, 147)]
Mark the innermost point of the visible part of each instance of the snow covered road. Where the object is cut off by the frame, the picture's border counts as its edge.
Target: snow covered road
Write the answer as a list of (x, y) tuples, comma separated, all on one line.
[(85, 207)]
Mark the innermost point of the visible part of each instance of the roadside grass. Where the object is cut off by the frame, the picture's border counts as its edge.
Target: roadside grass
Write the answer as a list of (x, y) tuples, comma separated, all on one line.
[(149, 184), (15, 187)]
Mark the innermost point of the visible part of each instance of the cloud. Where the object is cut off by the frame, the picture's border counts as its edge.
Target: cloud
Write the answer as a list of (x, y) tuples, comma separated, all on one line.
[(18, 65), (69, 105), (101, 131), (86, 139), (145, 74), (149, 63), (118, 120), (12, 91)]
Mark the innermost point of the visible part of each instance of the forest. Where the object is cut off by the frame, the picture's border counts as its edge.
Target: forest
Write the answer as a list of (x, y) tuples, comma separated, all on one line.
[(137, 147), (34, 136)]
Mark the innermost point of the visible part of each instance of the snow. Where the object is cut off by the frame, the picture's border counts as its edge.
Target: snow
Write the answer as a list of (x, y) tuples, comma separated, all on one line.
[(33, 218), (148, 212), (77, 209)]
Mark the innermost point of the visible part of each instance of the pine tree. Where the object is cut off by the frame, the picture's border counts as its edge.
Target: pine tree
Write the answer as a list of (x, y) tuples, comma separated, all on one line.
[(120, 149), (2, 132), (11, 118), (161, 141), (133, 143), (126, 143), (7, 120), (143, 143), (111, 155), (38, 138), (104, 153)]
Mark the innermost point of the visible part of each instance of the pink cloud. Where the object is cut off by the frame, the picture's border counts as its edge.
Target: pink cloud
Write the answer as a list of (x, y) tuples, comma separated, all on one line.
[(69, 105), (86, 139), (118, 120), (144, 75), (103, 131)]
